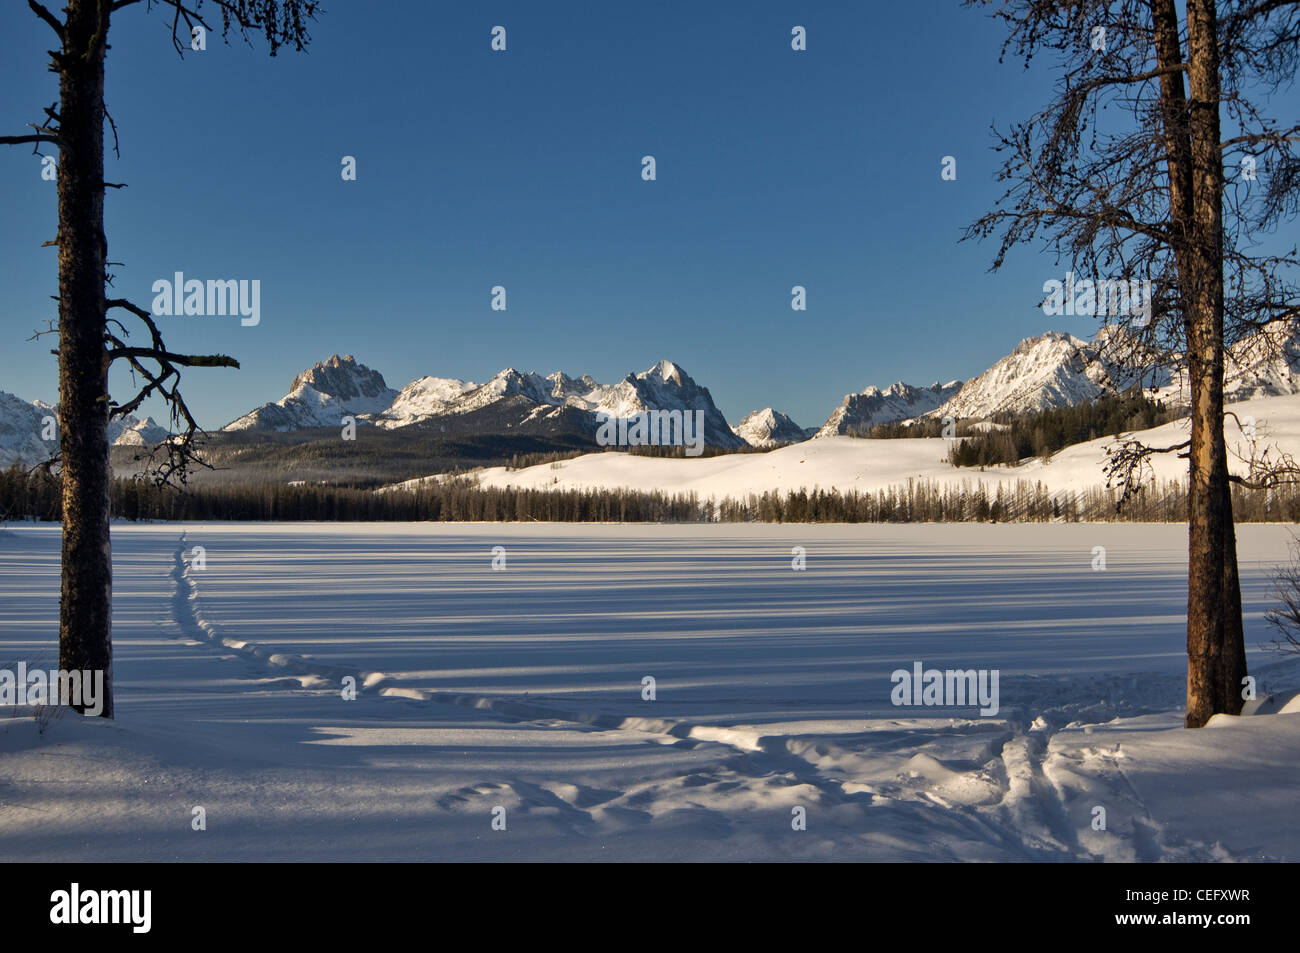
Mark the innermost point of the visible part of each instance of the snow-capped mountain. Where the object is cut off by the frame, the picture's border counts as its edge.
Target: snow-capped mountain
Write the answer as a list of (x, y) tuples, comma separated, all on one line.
[(1051, 370), (769, 428), (23, 427), (665, 386), (1060, 370), (900, 401), (513, 398), (130, 432), (423, 398), (320, 396), (1265, 363), (1054, 369)]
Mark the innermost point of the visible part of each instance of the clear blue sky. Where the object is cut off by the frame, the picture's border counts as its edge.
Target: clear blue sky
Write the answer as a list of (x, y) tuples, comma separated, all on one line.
[(522, 168)]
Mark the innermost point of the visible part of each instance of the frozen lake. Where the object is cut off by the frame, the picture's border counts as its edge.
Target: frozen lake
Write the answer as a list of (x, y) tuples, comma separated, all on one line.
[(523, 688)]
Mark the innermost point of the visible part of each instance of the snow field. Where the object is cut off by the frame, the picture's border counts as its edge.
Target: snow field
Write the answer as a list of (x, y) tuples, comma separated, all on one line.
[(851, 464), (522, 689)]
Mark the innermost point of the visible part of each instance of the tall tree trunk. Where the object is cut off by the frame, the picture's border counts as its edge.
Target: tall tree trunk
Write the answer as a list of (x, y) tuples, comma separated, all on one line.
[(85, 635), (1213, 635), (1216, 659)]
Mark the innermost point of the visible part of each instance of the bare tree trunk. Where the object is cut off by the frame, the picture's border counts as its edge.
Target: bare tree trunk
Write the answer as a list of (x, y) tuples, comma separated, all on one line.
[(1216, 659), (1212, 576), (85, 606), (1234, 636)]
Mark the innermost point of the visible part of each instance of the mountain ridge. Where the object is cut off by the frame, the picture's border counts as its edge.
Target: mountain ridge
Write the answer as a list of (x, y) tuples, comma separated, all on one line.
[(1051, 369), (339, 385)]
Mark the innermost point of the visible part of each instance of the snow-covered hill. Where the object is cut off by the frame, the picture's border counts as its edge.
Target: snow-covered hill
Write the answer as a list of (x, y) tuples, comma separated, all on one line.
[(848, 464), (769, 428)]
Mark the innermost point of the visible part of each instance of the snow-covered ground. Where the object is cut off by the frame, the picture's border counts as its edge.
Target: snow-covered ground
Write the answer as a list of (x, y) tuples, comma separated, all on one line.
[(522, 689), (849, 463)]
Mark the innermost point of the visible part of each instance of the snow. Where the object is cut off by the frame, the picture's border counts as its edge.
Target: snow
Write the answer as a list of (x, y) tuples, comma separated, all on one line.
[(1052, 370), (768, 428), (320, 396), (131, 432), (848, 463), (22, 425), (424, 397), (522, 689), (860, 412)]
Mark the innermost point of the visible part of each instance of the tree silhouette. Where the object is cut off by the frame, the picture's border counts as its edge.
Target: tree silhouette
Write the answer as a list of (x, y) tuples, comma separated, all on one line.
[(90, 341), (1128, 173)]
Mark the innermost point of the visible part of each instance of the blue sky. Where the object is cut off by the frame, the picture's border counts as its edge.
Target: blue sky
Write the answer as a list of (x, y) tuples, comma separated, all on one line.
[(522, 168)]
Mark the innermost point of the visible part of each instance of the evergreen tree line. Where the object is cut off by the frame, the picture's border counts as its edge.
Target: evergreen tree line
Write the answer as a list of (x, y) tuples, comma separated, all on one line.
[(519, 461), (1022, 502), (1038, 433), (36, 495), (1044, 432)]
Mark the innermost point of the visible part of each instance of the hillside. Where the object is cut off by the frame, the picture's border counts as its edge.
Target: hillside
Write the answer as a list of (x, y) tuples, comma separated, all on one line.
[(848, 463)]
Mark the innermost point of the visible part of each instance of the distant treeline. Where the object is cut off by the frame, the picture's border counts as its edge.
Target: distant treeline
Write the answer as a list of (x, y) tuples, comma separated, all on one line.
[(27, 495), (1039, 433), (519, 461), (1023, 502)]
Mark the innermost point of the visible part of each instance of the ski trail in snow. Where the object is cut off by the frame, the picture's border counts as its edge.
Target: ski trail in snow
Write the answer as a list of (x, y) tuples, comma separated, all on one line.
[(186, 612), (1014, 796), (761, 757), (313, 674)]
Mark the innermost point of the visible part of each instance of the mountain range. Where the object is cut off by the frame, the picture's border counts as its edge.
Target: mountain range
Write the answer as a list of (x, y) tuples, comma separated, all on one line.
[(339, 386), (23, 428), (1053, 369)]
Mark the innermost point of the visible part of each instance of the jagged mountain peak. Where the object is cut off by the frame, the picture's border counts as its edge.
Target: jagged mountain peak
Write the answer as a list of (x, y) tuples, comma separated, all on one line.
[(23, 431), (514, 397), (665, 386), (769, 428), (668, 372), (871, 406), (341, 377), (1052, 369), (321, 395)]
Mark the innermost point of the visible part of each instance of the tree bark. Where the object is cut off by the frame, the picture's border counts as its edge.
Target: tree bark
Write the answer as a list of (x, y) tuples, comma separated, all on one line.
[(1213, 635), (1216, 656), (85, 633), (1234, 636)]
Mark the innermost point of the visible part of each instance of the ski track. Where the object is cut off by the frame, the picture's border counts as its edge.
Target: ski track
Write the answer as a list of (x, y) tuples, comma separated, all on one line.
[(1029, 817)]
